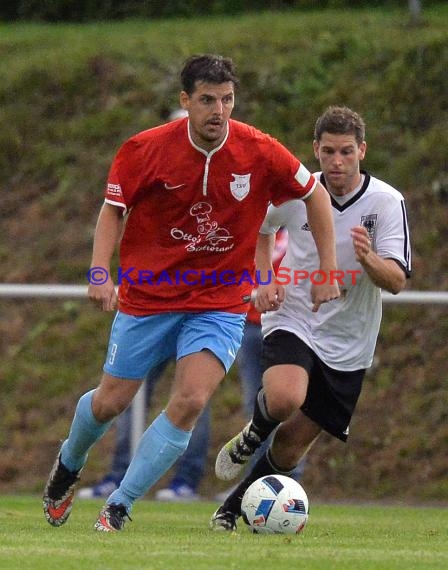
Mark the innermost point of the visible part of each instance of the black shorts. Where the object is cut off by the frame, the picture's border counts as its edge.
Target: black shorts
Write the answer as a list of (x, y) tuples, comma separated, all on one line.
[(332, 394)]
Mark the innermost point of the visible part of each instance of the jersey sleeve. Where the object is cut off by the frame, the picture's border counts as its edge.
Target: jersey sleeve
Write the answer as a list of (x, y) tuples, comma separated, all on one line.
[(291, 179), (113, 193), (124, 179), (392, 240)]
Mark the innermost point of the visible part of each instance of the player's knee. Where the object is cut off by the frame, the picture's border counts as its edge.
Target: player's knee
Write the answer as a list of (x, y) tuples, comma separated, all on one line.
[(195, 403), (106, 408), (282, 406), (184, 409), (281, 411)]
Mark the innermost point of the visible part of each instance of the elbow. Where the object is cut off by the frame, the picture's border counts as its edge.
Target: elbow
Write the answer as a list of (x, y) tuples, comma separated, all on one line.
[(397, 286)]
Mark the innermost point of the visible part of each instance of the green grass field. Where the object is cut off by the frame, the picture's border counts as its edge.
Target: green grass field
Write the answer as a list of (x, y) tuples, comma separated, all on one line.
[(176, 536)]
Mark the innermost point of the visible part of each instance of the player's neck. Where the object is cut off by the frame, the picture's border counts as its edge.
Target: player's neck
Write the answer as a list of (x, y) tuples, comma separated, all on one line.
[(206, 145), (346, 194), (353, 185)]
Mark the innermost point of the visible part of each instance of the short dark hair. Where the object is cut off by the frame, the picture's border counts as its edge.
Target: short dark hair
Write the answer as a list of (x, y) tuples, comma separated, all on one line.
[(209, 69), (340, 121)]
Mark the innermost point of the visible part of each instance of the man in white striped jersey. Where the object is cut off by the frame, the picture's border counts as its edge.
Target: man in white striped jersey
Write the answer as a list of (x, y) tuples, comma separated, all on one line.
[(314, 362)]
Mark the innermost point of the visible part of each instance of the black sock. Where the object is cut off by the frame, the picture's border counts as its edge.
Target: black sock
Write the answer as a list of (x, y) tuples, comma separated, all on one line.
[(264, 466), (262, 423)]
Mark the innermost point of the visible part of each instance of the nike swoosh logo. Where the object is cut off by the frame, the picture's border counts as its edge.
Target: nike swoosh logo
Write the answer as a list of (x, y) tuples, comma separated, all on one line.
[(57, 512), (168, 187)]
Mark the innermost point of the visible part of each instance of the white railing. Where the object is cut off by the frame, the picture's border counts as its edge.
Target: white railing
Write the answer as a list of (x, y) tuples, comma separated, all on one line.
[(20, 290), (23, 290)]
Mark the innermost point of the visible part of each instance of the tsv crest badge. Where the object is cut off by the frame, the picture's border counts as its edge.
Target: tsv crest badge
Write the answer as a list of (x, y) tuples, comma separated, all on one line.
[(240, 187)]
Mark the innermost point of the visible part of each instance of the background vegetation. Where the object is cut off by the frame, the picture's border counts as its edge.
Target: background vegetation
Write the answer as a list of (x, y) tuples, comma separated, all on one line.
[(87, 10), (70, 94)]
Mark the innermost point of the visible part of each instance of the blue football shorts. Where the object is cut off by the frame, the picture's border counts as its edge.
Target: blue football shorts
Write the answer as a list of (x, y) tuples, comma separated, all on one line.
[(138, 344)]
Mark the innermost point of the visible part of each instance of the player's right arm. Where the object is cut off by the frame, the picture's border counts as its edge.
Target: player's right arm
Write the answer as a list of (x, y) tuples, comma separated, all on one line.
[(107, 234), (270, 296), (320, 219)]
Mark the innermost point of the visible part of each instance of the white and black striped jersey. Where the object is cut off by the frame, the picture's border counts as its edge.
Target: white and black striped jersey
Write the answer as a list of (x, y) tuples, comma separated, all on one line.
[(343, 333)]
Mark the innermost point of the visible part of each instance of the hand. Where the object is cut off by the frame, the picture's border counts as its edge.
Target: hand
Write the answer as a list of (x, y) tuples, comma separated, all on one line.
[(326, 291), (103, 296), (269, 297), (361, 243)]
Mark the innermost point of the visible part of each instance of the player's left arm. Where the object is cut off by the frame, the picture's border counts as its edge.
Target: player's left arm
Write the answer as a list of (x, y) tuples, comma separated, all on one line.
[(384, 251), (384, 272)]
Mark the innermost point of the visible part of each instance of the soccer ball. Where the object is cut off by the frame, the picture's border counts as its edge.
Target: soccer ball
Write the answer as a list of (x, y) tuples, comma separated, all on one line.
[(275, 504)]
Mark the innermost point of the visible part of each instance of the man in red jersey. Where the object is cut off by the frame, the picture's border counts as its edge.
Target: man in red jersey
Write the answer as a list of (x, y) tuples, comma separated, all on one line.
[(193, 194)]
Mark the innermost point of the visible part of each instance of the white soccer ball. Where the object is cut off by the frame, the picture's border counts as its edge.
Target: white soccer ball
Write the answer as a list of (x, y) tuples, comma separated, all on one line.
[(275, 504)]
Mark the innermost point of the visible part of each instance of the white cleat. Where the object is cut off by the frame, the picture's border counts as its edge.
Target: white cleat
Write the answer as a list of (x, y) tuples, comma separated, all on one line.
[(234, 455)]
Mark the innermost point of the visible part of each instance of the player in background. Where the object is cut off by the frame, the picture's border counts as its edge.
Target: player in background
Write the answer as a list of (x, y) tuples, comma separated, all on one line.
[(249, 360), (314, 363), (196, 192)]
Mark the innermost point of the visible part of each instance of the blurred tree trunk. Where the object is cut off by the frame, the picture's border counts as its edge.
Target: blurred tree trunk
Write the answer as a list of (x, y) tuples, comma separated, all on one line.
[(415, 9)]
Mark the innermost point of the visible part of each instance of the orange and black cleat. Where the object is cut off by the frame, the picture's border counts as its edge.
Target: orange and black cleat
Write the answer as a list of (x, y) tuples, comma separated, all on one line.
[(111, 518), (59, 493)]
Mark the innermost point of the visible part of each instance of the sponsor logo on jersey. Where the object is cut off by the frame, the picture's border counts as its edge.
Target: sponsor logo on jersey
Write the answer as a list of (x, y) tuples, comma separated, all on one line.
[(306, 227), (240, 187), (114, 190), (209, 235)]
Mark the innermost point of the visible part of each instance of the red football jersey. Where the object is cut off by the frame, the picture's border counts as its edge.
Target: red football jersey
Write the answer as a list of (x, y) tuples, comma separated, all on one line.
[(193, 216)]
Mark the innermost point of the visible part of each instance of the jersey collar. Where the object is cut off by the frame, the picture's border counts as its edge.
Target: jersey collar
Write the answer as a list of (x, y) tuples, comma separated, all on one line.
[(201, 150), (356, 197)]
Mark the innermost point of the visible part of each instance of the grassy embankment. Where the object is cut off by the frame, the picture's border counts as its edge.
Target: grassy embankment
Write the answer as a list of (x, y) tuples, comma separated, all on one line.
[(71, 94)]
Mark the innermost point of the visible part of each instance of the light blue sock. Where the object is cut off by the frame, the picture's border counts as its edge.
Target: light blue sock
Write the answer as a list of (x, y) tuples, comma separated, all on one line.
[(159, 447), (84, 432)]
